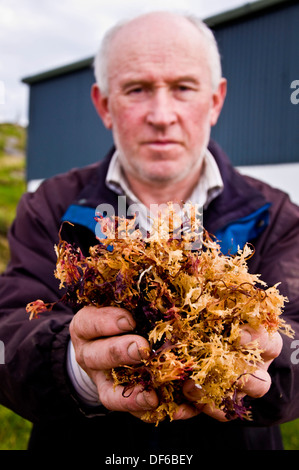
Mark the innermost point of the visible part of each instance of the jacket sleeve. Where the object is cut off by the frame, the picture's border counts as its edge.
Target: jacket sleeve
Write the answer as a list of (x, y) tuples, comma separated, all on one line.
[(278, 262), (33, 379)]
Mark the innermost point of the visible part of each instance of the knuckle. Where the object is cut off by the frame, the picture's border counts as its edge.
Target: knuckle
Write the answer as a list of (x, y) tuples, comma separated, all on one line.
[(76, 326), (79, 357), (117, 353), (88, 356)]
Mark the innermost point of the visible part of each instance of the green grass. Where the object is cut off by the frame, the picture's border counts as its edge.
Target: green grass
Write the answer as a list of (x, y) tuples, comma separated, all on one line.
[(290, 435), (14, 430), (12, 186), (12, 180), (12, 138)]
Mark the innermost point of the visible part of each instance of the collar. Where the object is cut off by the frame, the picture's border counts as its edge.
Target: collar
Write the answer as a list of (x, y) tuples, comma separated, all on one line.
[(209, 186)]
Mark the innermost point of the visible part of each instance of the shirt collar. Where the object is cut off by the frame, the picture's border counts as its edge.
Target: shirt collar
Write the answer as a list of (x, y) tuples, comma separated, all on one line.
[(210, 183), (209, 186), (116, 180)]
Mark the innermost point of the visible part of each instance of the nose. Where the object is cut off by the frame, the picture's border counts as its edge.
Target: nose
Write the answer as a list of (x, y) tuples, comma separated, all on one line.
[(161, 112)]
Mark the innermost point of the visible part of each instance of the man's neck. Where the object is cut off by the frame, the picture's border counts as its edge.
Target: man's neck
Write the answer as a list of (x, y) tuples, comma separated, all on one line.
[(151, 193)]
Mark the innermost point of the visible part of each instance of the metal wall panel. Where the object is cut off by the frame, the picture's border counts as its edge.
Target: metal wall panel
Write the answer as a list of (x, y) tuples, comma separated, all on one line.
[(259, 124), (64, 128)]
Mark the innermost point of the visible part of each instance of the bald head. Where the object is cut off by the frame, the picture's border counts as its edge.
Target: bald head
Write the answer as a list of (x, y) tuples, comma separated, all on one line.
[(156, 30)]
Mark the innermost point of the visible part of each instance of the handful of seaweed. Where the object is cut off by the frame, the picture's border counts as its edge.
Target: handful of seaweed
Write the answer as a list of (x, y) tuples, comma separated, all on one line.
[(189, 303)]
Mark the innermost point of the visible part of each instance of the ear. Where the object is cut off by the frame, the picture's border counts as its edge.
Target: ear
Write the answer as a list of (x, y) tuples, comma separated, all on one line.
[(100, 102), (218, 101)]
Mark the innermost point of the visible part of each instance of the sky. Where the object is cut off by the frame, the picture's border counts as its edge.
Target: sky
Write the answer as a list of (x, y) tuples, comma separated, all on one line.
[(39, 35)]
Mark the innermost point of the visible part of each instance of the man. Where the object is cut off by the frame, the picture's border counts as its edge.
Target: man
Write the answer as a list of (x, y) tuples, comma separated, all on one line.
[(160, 90)]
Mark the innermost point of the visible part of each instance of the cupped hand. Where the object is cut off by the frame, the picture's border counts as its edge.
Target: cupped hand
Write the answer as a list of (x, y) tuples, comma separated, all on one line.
[(254, 385), (102, 341)]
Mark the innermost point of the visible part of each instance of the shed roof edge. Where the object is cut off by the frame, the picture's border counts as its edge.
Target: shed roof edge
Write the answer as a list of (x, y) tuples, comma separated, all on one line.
[(212, 21), (80, 64), (243, 11)]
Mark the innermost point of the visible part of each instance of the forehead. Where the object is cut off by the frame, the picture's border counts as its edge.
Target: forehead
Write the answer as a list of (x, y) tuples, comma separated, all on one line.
[(166, 43)]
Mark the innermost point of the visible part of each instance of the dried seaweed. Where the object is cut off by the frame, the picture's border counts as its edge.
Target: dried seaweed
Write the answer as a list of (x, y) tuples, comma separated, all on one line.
[(189, 303)]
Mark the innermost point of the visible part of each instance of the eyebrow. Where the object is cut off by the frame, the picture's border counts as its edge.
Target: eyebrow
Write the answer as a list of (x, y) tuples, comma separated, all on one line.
[(187, 78), (133, 82), (147, 82)]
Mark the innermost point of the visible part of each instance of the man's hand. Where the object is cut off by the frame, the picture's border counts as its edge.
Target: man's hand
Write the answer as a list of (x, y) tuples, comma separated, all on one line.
[(255, 385), (100, 343)]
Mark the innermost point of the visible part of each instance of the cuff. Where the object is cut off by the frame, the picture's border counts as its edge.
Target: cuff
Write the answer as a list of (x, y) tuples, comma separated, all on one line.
[(83, 385)]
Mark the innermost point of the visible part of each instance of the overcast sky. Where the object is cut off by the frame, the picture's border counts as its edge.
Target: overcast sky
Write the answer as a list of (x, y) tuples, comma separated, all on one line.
[(38, 35)]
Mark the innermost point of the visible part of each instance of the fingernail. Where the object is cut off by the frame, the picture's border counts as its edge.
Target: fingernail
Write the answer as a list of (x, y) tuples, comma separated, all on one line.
[(124, 324), (193, 391), (133, 352)]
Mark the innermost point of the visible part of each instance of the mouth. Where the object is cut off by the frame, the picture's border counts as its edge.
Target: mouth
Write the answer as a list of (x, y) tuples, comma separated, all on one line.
[(161, 144)]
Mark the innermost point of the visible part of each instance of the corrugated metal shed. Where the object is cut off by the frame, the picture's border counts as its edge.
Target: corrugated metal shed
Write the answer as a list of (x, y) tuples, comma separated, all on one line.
[(259, 44)]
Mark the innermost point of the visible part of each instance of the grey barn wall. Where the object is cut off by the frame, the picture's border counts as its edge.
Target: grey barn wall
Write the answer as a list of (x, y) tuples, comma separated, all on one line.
[(64, 128), (258, 124), (260, 55)]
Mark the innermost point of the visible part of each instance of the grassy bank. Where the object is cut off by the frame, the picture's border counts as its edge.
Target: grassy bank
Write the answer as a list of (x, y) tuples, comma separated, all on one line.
[(12, 180), (14, 431)]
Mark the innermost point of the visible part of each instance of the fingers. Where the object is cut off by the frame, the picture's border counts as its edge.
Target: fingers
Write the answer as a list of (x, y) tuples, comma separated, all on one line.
[(258, 384), (101, 345), (91, 322), (187, 411), (99, 340), (195, 395), (107, 353), (271, 344), (135, 400), (254, 385)]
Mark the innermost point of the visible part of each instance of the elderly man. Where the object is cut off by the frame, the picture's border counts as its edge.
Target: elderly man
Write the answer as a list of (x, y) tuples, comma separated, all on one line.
[(160, 90)]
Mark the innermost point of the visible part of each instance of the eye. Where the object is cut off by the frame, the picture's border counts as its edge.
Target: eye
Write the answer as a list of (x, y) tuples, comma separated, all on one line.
[(184, 87), (135, 90), (184, 90)]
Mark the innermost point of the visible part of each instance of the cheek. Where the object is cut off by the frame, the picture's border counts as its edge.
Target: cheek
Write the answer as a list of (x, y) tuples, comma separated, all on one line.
[(197, 116), (198, 128), (126, 124)]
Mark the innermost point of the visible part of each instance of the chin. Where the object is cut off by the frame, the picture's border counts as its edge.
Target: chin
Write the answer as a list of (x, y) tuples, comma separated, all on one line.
[(163, 178)]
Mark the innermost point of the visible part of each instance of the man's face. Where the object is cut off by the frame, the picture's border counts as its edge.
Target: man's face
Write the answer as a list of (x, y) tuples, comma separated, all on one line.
[(161, 104)]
